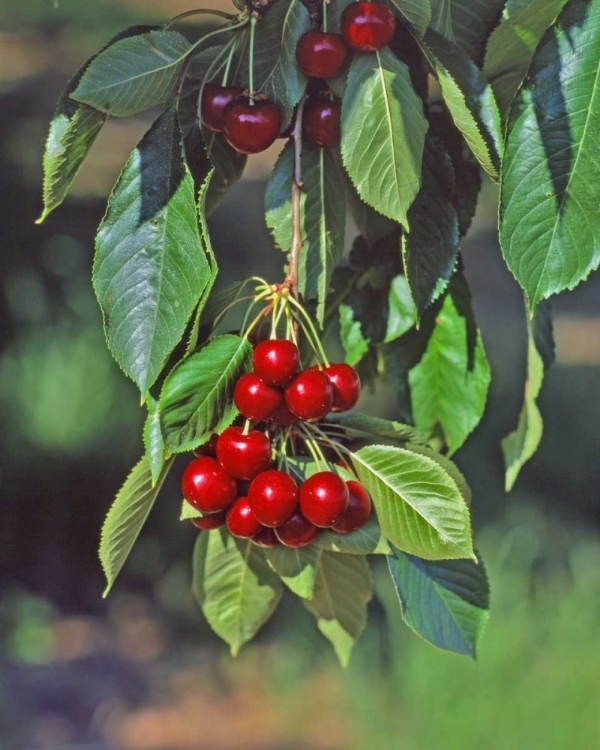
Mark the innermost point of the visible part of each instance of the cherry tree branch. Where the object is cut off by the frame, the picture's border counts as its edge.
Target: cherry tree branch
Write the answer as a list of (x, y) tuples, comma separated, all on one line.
[(297, 186)]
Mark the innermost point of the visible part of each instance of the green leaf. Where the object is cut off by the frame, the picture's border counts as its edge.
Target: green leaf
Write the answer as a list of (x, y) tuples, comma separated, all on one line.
[(197, 397), (368, 540), (469, 98), (446, 394), (447, 465), (472, 21), (383, 152), (351, 335), (430, 249), (419, 506), (322, 212), (549, 225), (296, 567), (358, 425), (134, 74), (402, 314), (235, 587), (371, 224), (229, 167), (441, 17), (188, 511), (343, 589), (416, 12), (446, 602), (153, 440), (126, 517), (150, 267)]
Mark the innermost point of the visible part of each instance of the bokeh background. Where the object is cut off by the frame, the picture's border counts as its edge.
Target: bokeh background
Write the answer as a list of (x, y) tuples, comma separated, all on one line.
[(140, 670)]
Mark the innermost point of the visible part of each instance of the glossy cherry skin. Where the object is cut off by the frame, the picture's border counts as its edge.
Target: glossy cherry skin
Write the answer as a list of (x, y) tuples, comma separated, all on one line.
[(367, 27), (296, 531), (358, 511), (210, 522), (309, 395), (243, 456), (276, 361), (273, 496), (346, 386), (266, 538), (241, 521), (320, 54), (251, 127), (207, 486), (283, 417), (321, 122), (255, 399), (324, 499), (214, 100)]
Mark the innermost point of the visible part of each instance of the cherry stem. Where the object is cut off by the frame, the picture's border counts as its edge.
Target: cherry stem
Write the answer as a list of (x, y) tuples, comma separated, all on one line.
[(324, 21), (297, 185), (253, 21), (277, 316), (247, 424), (310, 332), (233, 44), (313, 448), (341, 450), (197, 12)]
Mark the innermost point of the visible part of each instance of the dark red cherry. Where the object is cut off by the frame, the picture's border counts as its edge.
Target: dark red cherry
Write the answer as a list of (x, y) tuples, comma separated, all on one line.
[(243, 456), (255, 399), (241, 521), (320, 54), (321, 122), (273, 496), (296, 531), (251, 127), (346, 386), (283, 417), (310, 395), (207, 486), (324, 498), (276, 361), (214, 100), (367, 27), (210, 522), (266, 538), (358, 511)]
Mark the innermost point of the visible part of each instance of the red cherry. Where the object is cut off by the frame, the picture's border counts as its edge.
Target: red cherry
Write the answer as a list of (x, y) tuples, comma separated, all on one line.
[(321, 122), (320, 54), (324, 498), (206, 485), (255, 399), (243, 456), (214, 100), (276, 361), (266, 538), (358, 511), (273, 496), (210, 522), (309, 395), (283, 417), (251, 127), (209, 448), (296, 531), (346, 386), (241, 521), (367, 27)]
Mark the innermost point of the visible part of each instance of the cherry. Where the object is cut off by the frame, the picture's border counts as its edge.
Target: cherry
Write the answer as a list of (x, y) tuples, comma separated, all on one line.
[(255, 399), (251, 127), (310, 395), (367, 27), (266, 538), (241, 521), (276, 361), (210, 522), (283, 417), (296, 531), (346, 386), (324, 498), (243, 456), (273, 496), (321, 122), (320, 54), (214, 100), (206, 485), (358, 511)]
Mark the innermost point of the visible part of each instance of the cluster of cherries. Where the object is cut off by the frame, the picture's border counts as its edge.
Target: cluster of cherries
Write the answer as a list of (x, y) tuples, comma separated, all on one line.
[(233, 481), (252, 123)]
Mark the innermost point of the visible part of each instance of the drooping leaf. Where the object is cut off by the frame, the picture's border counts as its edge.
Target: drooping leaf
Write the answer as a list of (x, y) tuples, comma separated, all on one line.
[(343, 588), (229, 167), (297, 567), (447, 465), (383, 152), (445, 602), (351, 335), (419, 506), (402, 313), (153, 440), (441, 17), (469, 98), (549, 221), (371, 224), (446, 394), (150, 267), (134, 74), (234, 586), (472, 22), (368, 540), (358, 425), (197, 397), (127, 516), (322, 215), (416, 12)]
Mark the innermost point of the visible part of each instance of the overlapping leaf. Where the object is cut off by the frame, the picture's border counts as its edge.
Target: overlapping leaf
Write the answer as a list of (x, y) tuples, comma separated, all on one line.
[(351, 336), (416, 12), (402, 313), (297, 567), (153, 440), (359, 425), (472, 22), (441, 17), (368, 540)]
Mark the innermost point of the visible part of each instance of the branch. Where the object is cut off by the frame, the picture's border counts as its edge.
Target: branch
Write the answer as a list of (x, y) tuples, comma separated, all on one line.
[(258, 8), (297, 185)]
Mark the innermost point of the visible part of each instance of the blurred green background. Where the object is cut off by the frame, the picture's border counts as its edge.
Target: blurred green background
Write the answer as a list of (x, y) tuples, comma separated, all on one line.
[(141, 670)]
